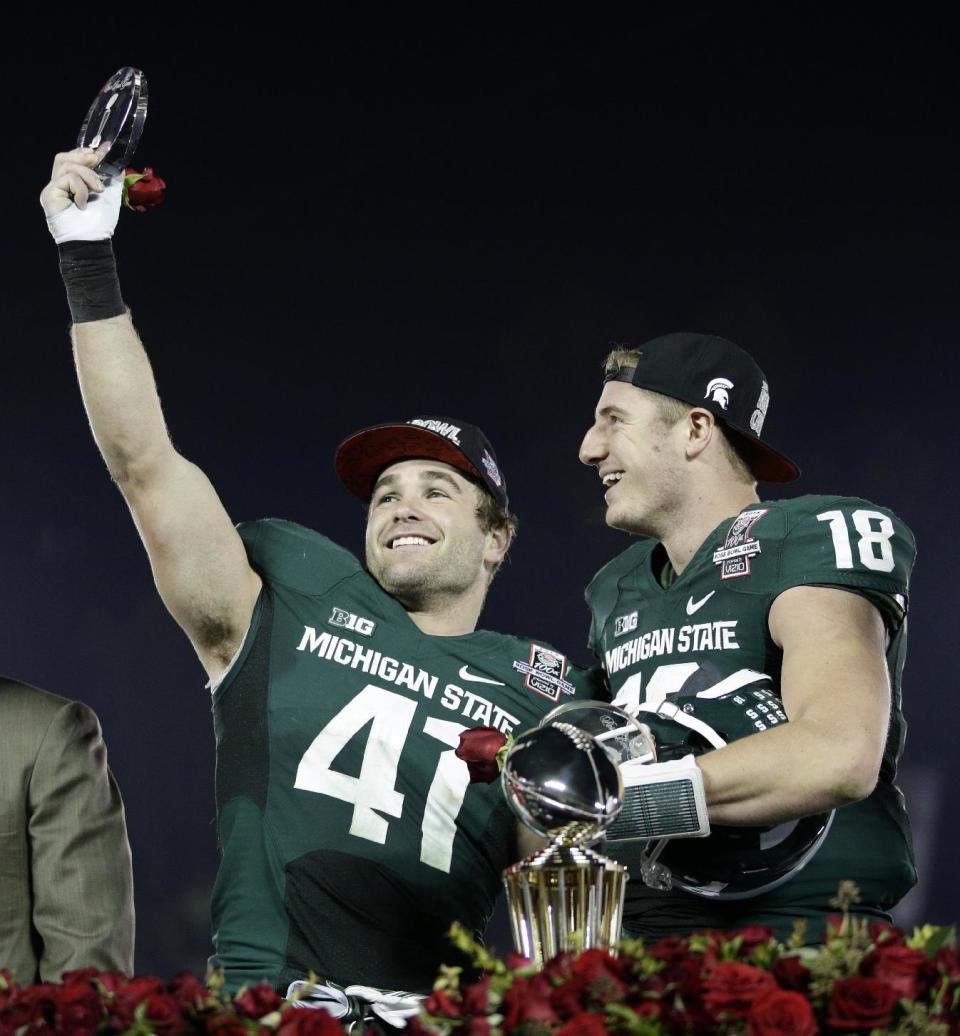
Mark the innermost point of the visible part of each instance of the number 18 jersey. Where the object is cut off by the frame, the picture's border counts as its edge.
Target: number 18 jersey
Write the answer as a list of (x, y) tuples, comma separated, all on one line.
[(708, 631), (350, 834)]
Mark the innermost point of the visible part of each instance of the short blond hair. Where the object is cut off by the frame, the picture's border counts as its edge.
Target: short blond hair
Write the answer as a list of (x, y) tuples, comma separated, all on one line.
[(669, 411)]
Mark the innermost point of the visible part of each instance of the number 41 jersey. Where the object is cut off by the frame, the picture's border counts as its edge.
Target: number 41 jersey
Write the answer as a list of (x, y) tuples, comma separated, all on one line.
[(350, 834), (709, 628)]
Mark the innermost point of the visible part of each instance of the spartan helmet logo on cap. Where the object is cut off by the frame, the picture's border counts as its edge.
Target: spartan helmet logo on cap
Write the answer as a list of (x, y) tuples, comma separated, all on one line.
[(717, 392)]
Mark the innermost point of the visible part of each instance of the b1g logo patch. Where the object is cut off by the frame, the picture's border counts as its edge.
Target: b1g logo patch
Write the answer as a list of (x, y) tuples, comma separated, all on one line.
[(625, 624), (348, 621), (545, 671), (739, 546)]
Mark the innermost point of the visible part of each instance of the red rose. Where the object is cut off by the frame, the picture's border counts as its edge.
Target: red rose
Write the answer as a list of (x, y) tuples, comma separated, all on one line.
[(528, 1000), (792, 973), (731, 988), (515, 961), (909, 973), (475, 998), (860, 1003), (34, 1004), (559, 968), (586, 1024), (257, 1001), (189, 993), (110, 981), (79, 1008), (80, 976), (225, 1025), (672, 948), (142, 191), (416, 1027), (474, 1027), (715, 940), (478, 749), (308, 1021), (751, 936), (883, 934), (139, 988), (780, 1012), (601, 977), (163, 1014), (441, 1003), (128, 997), (685, 975), (947, 961), (567, 999)]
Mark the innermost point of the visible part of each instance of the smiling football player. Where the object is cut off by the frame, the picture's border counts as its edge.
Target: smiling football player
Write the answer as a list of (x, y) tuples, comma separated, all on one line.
[(763, 643), (350, 834)]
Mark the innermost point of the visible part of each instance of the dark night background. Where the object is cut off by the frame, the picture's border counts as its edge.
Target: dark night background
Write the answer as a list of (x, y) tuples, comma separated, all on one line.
[(369, 221)]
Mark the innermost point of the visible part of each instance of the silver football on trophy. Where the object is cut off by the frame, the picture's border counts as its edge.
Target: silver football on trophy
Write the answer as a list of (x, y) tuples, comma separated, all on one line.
[(556, 775)]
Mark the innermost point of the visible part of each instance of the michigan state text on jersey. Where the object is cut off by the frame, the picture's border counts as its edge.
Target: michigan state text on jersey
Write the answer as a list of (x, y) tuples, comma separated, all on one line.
[(704, 639), (350, 833), (763, 640)]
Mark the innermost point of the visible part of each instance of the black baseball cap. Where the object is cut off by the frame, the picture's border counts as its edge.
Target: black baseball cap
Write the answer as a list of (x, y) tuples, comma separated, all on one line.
[(360, 458), (711, 372)]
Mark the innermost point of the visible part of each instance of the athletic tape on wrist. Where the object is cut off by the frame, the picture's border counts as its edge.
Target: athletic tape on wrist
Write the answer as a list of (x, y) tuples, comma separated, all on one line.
[(89, 273), (661, 800), (96, 222)]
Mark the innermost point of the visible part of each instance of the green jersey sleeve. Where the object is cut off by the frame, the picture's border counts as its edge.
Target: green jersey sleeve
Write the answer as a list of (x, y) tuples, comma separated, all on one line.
[(604, 590), (286, 553), (850, 543)]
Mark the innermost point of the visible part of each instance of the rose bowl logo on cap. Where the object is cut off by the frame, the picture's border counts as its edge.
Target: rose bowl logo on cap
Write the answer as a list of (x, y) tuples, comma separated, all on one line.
[(491, 469), (448, 431)]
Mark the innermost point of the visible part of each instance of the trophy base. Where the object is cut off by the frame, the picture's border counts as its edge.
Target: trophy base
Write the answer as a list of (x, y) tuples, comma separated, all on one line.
[(565, 898)]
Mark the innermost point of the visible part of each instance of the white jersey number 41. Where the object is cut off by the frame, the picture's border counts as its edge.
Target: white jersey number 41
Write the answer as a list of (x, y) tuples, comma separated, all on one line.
[(374, 792)]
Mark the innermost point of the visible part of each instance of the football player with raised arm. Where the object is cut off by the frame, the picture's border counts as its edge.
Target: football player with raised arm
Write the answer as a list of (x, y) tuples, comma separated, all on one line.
[(783, 620), (350, 834)]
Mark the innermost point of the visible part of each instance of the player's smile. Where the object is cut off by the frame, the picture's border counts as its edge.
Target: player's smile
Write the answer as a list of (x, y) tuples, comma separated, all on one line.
[(404, 540), (610, 479)]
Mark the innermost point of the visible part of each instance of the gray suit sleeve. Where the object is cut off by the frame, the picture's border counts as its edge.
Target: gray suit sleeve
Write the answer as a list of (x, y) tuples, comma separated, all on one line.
[(81, 868)]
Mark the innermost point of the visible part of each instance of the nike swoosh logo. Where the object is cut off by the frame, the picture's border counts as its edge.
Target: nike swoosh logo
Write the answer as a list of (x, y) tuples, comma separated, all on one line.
[(695, 606), (471, 678)]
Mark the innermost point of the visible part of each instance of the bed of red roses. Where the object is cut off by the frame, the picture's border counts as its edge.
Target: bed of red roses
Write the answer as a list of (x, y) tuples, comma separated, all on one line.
[(863, 979)]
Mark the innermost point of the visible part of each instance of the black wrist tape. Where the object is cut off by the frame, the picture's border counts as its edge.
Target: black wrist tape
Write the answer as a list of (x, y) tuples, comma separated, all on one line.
[(89, 273)]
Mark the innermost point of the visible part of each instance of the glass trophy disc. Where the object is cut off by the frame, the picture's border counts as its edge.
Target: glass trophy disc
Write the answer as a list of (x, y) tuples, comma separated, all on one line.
[(117, 115)]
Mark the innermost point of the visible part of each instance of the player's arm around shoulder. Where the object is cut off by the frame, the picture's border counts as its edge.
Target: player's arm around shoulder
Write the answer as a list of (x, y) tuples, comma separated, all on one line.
[(198, 560)]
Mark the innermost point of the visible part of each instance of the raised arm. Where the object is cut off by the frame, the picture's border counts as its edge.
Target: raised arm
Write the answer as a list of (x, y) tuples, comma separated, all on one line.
[(198, 560)]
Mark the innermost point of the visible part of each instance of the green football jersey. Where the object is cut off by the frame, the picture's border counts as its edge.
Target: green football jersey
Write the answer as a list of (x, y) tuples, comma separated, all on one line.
[(709, 626), (350, 834)]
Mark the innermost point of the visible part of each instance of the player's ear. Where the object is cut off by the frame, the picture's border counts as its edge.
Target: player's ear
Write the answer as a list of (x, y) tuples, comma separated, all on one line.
[(498, 543), (700, 428)]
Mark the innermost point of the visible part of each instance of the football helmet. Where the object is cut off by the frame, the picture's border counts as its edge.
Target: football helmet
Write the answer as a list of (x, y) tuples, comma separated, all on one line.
[(707, 711)]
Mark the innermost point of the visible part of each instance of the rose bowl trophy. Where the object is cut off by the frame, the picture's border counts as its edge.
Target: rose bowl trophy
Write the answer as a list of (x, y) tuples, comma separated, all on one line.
[(562, 779), (116, 117)]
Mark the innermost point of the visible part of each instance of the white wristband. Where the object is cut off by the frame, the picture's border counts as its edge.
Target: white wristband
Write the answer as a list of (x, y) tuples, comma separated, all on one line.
[(661, 800), (96, 222)]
